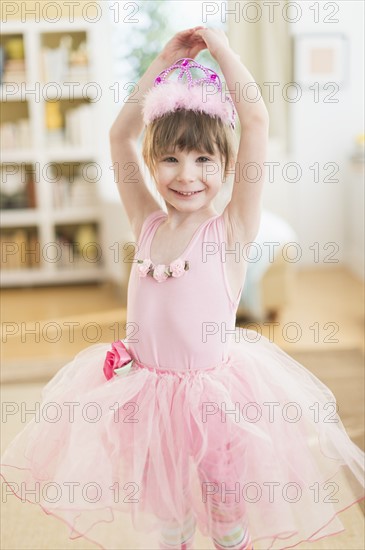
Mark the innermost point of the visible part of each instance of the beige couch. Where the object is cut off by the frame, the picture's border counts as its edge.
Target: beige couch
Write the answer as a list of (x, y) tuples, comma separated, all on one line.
[(276, 289)]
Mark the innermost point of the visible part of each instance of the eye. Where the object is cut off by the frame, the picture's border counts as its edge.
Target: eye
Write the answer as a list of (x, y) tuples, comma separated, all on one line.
[(204, 159), (170, 159)]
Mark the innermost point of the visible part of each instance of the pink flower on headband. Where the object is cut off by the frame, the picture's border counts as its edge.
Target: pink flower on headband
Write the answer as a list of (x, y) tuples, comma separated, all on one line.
[(202, 95)]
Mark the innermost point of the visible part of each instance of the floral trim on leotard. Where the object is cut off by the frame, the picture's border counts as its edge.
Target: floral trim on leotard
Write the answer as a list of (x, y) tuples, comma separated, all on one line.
[(161, 272)]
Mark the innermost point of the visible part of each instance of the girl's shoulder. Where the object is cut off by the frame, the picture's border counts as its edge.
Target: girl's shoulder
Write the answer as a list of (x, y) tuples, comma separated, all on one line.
[(141, 225)]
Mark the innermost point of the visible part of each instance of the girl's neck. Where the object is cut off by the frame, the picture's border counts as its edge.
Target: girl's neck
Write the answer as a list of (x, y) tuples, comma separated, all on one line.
[(184, 219)]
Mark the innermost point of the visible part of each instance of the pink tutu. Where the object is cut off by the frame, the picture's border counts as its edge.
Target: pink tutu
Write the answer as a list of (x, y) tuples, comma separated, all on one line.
[(156, 443)]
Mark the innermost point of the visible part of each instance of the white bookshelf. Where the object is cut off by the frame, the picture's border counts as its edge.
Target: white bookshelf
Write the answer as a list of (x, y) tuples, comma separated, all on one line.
[(53, 210)]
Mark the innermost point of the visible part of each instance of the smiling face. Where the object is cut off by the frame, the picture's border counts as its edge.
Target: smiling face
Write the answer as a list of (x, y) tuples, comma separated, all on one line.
[(188, 180), (189, 152)]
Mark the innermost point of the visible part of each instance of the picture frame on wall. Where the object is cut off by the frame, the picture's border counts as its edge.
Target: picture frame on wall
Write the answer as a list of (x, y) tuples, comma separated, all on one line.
[(322, 58)]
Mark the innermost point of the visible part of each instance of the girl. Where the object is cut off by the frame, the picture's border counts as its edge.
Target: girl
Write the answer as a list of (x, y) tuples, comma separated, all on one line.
[(189, 422)]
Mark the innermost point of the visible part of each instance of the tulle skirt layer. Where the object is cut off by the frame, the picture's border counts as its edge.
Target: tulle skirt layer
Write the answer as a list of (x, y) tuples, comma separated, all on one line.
[(255, 440)]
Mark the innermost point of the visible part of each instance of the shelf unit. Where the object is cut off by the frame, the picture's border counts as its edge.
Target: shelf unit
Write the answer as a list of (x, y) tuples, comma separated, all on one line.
[(66, 203)]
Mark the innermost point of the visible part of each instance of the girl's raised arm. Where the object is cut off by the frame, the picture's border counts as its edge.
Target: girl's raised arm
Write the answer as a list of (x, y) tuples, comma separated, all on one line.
[(242, 214), (125, 131), (136, 197)]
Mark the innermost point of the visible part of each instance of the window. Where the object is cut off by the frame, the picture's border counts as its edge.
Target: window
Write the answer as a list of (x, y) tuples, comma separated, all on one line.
[(141, 29)]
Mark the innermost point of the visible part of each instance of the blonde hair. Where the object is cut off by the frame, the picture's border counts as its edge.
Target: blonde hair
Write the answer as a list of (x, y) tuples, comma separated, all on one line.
[(188, 130)]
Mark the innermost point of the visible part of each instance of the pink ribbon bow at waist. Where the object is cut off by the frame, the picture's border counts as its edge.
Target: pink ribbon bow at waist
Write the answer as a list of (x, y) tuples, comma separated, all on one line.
[(117, 361)]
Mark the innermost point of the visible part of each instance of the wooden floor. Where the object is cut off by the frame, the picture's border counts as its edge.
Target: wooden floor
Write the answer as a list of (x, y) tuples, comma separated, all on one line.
[(327, 310)]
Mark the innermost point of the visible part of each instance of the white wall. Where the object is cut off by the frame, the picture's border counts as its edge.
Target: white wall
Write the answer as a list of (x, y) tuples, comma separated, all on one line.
[(324, 132)]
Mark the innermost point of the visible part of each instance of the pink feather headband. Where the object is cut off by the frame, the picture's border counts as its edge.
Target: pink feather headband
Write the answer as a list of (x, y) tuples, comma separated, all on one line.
[(200, 94)]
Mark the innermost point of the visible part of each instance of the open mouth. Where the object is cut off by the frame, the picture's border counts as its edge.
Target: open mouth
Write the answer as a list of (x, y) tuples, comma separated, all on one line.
[(187, 193)]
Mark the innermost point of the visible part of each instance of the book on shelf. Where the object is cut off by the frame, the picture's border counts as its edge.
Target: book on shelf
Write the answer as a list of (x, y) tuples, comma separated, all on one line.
[(54, 124), (20, 249), (79, 247), (78, 74), (79, 126), (2, 63), (31, 192), (15, 135), (14, 71), (65, 64), (17, 189), (70, 258), (54, 64), (61, 193), (12, 62), (77, 129), (76, 194)]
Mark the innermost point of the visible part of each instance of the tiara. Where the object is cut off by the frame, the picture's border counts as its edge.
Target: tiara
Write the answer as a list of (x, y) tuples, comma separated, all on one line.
[(202, 94)]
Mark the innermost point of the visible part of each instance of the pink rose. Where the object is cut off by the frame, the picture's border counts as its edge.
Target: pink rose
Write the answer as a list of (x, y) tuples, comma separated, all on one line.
[(177, 268), (159, 273), (116, 358), (144, 267)]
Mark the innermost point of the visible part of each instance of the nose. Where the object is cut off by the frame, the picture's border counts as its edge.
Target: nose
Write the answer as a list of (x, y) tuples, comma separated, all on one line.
[(186, 173)]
